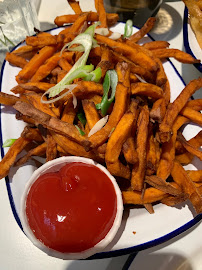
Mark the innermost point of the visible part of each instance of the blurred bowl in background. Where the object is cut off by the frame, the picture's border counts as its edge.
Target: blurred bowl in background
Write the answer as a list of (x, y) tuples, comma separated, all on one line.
[(136, 10)]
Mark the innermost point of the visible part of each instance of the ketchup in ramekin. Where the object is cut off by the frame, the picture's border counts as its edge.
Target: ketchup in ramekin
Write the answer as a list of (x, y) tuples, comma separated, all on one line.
[(72, 208)]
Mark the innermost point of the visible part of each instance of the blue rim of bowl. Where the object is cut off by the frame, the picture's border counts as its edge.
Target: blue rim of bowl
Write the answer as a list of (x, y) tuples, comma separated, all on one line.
[(112, 253), (186, 39)]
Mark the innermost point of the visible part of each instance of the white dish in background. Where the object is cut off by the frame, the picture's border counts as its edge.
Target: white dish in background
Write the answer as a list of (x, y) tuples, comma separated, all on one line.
[(151, 230), (190, 42)]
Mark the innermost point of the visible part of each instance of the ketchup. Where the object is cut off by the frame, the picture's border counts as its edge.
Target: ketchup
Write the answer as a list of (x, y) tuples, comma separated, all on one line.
[(73, 209)]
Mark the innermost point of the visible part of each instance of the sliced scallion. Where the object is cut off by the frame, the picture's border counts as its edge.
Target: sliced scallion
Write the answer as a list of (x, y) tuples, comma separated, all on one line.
[(128, 29), (8, 142), (110, 82)]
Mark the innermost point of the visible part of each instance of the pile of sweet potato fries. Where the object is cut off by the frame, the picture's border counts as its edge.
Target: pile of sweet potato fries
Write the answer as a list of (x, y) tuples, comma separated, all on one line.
[(141, 142)]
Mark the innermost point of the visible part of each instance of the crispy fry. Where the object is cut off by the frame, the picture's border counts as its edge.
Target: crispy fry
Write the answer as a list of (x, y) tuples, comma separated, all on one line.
[(39, 150), (195, 104), (160, 184), (135, 54), (158, 110), (175, 107), (193, 115), (36, 86), (190, 148), (102, 14), (115, 144), (119, 107), (69, 113), (138, 171), (106, 60), (196, 176), (11, 155), (16, 60), (151, 195), (181, 56), (74, 148), (91, 112), (143, 30), (29, 70), (146, 89), (168, 150), (64, 64), (112, 18), (41, 40), (156, 44), (7, 99), (50, 122), (51, 149), (46, 68), (184, 181), (75, 6)]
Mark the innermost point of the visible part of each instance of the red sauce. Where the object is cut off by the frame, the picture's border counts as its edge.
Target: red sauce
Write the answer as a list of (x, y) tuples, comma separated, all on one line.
[(73, 209)]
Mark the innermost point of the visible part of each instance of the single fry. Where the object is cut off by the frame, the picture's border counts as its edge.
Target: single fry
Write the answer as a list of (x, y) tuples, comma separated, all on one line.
[(91, 113), (10, 157), (196, 176), (16, 60), (192, 114), (30, 69), (175, 107), (181, 56), (146, 89), (143, 30), (138, 171), (40, 150), (184, 181), (114, 146), (75, 6)]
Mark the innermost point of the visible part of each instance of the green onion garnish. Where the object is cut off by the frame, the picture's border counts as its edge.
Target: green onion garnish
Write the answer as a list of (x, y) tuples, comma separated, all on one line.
[(110, 82), (128, 29), (80, 130), (8, 142)]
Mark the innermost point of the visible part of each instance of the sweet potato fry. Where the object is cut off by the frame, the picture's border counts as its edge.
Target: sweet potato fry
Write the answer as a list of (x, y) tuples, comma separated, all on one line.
[(41, 40), (112, 18), (193, 115), (7, 99), (158, 110), (51, 148), (50, 122), (196, 176), (138, 171), (119, 107), (195, 104), (36, 86), (16, 60), (74, 148), (35, 100), (91, 113), (180, 56), (11, 155), (156, 44), (143, 30), (39, 150), (151, 195), (106, 60), (69, 113), (146, 89), (184, 181), (45, 69), (102, 14), (135, 54), (75, 6), (174, 200), (32, 134), (29, 70), (160, 184), (114, 146), (168, 150), (174, 108), (189, 147), (64, 64)]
